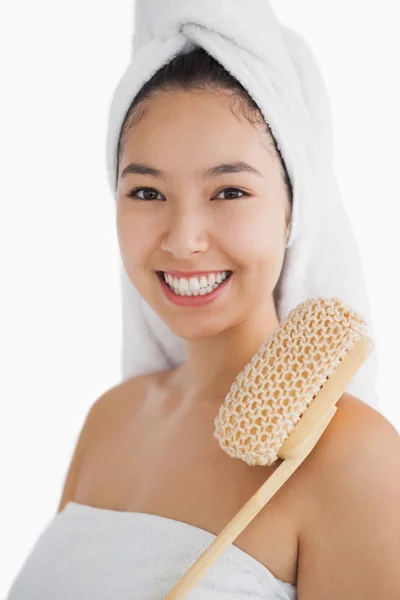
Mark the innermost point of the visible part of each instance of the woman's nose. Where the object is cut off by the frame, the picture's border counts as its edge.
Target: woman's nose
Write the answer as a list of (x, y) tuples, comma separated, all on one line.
[(185, 233)]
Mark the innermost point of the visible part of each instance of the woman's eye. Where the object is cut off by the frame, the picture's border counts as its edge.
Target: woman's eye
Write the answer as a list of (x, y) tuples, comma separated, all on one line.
[(149, 194), (234, 191)]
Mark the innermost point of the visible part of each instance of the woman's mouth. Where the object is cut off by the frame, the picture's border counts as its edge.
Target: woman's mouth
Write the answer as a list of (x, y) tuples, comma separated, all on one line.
[(194, 291)]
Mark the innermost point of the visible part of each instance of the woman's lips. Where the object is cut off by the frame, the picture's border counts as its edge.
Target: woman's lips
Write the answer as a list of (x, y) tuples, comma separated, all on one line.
[(192, 300)]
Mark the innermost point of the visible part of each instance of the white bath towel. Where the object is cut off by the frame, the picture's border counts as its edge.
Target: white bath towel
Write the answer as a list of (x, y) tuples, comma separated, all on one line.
[(280, 72), (88, 553)]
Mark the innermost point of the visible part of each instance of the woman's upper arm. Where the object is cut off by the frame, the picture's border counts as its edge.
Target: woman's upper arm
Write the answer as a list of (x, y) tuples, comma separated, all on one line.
[(350, 544)]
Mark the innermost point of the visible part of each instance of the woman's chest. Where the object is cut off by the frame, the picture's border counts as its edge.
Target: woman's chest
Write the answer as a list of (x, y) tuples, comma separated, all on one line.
[(171, 465)]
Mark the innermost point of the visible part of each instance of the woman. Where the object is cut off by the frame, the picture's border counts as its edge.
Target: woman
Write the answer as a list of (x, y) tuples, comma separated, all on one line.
[(204, 207)]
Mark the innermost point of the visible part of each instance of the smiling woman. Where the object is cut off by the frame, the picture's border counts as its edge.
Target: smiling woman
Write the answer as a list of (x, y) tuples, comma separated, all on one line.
[(205, 210), (202, 187)]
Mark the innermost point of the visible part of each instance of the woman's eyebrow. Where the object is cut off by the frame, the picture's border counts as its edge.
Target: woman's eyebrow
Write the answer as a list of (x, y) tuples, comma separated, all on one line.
[(231, 167), (222, 169), (141, 169)]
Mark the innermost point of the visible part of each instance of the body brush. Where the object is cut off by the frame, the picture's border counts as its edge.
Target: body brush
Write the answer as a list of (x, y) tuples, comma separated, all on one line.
[(281, 402)]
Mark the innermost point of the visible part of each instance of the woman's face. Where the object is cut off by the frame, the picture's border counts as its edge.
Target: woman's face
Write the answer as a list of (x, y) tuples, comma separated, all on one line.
[(187, 219)]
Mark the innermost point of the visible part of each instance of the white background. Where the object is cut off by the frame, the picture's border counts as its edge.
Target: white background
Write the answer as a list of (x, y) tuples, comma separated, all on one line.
[(60, 302)]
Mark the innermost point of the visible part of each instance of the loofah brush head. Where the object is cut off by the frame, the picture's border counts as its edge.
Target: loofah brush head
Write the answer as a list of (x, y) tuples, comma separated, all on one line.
[(272, 392)]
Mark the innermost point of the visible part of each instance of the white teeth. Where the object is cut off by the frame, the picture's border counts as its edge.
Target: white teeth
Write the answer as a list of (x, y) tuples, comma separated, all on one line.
[(211, 279), (203, 282), (195, 286), (183, 285)]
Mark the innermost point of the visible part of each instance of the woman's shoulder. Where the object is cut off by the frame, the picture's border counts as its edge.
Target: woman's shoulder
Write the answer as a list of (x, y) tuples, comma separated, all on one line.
[(130, 394), (350, 520), (355, 436), (116, 406), (357, 441)]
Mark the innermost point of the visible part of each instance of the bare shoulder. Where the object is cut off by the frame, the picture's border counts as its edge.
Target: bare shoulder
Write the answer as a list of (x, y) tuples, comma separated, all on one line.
[(115, 405), (357, 438), (349, 539), (125, 398)]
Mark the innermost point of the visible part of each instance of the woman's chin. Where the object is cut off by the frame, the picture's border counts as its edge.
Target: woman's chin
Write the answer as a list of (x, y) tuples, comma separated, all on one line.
[(195, 330)]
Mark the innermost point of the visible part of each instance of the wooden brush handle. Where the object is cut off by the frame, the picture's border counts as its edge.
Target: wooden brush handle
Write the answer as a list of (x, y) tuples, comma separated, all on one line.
[(247, 513)]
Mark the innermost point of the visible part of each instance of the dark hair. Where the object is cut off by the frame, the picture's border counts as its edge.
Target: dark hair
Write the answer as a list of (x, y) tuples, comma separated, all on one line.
[(198, 70)]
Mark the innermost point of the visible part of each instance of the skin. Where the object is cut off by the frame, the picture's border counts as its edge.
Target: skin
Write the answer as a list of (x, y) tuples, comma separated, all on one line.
[(187, 228)]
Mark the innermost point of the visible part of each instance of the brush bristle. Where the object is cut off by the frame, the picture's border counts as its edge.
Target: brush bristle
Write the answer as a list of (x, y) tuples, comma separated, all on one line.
[(274, 389)]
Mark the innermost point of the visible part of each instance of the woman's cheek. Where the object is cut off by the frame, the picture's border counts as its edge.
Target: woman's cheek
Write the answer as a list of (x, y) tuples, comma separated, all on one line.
[(134, 244), (251, 236), (257, 246)]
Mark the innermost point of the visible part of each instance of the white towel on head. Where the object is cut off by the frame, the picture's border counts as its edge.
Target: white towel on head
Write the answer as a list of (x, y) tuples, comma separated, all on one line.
[(279, 71)]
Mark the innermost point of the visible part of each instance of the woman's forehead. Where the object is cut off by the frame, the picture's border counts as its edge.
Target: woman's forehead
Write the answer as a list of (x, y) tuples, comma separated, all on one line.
[(191, 130), (193, 113)]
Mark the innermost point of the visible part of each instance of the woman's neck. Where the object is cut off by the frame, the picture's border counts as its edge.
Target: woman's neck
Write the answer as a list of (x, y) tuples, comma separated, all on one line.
[(210, 365)]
